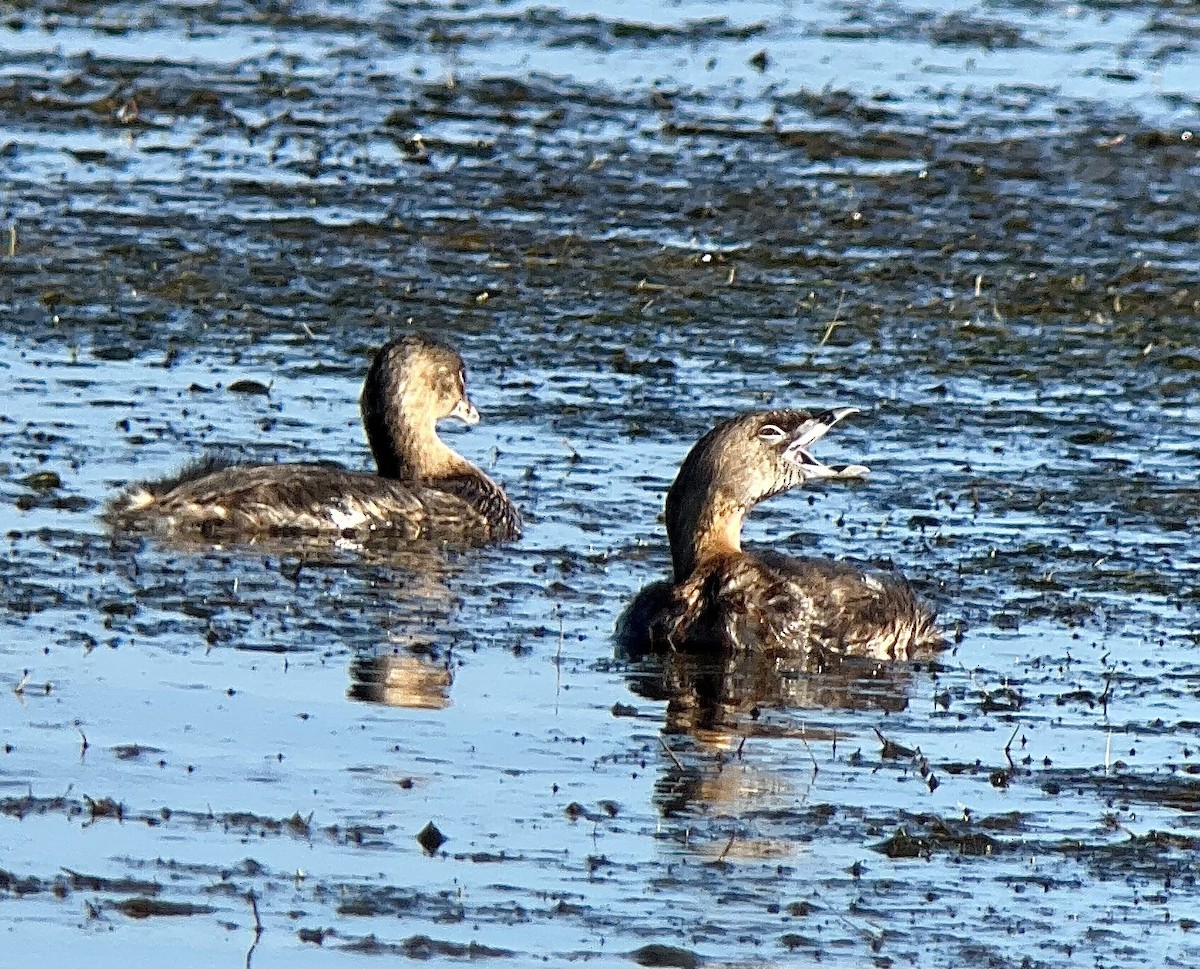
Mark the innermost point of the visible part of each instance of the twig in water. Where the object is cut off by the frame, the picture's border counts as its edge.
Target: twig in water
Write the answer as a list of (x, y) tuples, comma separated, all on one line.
[(811, 756), (252, 898), (558, 660), (1008, 746), (258, 926), (670, 753), (891, 748), (812, 781), (728, 845), (561, 636), (834, 323)]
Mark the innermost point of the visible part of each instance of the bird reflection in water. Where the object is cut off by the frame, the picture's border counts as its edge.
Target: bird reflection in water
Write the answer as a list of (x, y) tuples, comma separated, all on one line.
[(413, 667), (405, 677), (716, 703), (731, 693), (402, 586), (384, 581)]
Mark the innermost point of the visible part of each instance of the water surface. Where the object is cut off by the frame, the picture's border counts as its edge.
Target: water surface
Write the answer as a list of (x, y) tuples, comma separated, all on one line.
[(976, 223)]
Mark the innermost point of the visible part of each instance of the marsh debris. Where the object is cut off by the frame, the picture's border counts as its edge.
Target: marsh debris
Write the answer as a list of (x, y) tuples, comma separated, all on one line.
[(142, 907), (660, 955), (937, 836), (430, 838)]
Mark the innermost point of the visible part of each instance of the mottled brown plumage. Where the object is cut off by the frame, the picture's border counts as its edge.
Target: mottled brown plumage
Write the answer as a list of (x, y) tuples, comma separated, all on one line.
[(423, 487), (725, 599)]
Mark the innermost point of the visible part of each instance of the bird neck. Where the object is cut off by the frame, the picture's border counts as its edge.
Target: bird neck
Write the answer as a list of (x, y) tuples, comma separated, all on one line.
[(411, 450), (702, 528)]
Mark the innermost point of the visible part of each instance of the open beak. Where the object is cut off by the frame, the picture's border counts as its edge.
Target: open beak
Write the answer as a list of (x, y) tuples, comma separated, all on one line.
[(813, 430), (465, 411)]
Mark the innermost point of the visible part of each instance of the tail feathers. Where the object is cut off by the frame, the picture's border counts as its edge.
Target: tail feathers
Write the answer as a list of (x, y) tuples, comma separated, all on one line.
[(141, 496), (194, 471)]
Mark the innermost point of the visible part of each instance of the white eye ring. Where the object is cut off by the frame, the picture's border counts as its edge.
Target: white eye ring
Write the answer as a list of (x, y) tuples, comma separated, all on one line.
[(771, 433)]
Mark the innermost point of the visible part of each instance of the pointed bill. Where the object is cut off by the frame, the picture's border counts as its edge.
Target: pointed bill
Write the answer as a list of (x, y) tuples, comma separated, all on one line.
[(811, 431), (465, 411)]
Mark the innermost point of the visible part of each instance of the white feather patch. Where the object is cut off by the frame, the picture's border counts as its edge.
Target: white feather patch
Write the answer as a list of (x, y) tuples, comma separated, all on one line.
[(135, 500), (348, 519)]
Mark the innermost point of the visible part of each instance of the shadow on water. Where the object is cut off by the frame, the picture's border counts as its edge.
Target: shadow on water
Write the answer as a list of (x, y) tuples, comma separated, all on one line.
[(977, 225)]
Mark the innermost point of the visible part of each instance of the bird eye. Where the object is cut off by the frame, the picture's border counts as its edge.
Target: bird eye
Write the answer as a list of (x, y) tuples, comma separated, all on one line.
[(771, 433)]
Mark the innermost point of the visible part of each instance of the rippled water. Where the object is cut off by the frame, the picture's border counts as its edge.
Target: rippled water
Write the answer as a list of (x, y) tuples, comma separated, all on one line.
[(976, 223)]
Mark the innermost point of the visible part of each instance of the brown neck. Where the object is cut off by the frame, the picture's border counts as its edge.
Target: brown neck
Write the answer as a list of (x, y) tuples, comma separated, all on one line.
[(413, 453), (402, 432), (702, 528)]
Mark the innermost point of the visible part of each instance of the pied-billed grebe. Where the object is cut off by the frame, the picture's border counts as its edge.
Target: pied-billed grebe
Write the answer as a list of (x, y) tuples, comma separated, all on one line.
[(723, 598), (422, 488)]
